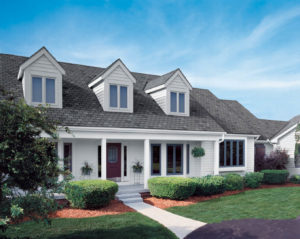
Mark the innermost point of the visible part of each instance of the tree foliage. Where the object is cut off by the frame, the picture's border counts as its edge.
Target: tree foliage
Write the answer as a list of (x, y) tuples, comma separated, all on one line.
[(275, 160)]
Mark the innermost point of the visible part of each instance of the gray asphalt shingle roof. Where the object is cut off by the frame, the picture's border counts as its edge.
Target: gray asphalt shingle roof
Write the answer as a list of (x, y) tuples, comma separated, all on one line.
[(159, 80)]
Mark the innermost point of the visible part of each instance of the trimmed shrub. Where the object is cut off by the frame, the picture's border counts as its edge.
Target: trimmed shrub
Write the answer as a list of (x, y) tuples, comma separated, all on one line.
[(90, 193), (253, 180), (233, 182), (171, 187), (275, 160), (295, 179), (275, 176), (209, 185)]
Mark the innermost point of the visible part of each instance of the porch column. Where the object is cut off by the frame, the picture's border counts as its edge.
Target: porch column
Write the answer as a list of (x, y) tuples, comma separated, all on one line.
[(216, 157), (60, 154), (103, 158), (163, 159), (147, 164)]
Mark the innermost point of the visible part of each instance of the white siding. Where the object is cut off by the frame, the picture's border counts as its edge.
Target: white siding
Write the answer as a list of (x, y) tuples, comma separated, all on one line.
[(177, 84), (99, 91), (160, 98), (288, 142), (250, 154), (119, 76)]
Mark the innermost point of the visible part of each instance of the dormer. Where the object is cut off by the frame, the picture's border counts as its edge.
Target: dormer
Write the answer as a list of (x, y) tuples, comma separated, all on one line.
[(171, 92), (41, 77), (114, 88)]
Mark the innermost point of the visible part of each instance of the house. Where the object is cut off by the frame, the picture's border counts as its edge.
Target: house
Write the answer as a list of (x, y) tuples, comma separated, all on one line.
[(118, 117)]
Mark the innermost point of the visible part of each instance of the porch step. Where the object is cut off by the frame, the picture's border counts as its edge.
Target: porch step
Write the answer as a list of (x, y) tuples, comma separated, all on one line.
[(128, 195), (132, 200)]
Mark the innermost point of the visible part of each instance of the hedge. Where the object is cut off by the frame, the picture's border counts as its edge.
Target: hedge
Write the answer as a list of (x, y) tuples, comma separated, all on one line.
[(90, 194), (209, 185), (253, 180), (171, 187), (272, 176), (233, 182), (295, 179)]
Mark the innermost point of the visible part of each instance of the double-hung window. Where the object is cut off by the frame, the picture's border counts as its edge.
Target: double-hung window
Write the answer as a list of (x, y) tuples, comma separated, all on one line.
[(118, 96), (232, 153), (155, 159), (177, 102), (43, 90), (174, 159)]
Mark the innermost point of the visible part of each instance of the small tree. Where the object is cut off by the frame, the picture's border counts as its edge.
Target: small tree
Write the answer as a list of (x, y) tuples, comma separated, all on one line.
[(27, 161), (275, 160)]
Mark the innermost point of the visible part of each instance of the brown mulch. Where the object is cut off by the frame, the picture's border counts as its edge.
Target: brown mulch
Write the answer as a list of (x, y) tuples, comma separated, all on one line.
[(114, 207), (166, 203)]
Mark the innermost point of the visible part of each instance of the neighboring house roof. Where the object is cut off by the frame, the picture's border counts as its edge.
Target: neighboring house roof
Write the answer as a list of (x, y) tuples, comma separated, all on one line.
[(290, 124), (270, 128)]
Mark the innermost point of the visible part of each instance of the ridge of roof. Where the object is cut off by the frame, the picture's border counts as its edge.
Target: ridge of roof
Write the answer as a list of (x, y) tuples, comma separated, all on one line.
[(160, 80)]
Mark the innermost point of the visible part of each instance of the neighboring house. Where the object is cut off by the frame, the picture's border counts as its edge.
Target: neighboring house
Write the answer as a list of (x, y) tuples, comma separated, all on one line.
[(118, 117)]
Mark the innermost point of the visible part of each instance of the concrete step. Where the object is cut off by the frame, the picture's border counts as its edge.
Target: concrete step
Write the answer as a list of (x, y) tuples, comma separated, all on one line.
[(132, 200), (128, 195), (127, 191)]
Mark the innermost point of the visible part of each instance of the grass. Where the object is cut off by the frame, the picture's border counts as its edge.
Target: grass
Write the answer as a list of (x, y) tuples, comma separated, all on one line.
[(128, 225), (276, 203)]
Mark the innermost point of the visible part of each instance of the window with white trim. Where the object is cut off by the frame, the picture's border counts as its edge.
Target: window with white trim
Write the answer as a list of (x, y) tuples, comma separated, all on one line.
[(177, 102), (118, 96), (43, 90), (232, 153)]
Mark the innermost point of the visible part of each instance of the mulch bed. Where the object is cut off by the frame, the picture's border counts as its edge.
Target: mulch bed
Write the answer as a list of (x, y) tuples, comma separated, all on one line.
[(166, 203), (114, 207)]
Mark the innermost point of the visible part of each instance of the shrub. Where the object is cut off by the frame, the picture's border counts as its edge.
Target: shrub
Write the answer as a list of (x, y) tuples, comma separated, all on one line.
[(209, 185), (90, 193), (295, 179), (171, 187), (253, 180), (198, 152), (233, 182), (275, 160), (275, 176)]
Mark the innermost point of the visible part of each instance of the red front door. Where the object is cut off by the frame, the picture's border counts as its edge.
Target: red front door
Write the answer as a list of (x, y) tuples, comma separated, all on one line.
[(113, 160)]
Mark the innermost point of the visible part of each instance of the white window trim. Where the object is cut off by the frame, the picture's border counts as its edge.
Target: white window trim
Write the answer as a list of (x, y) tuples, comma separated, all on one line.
[(177, 102), (44, 90), (118, 97)]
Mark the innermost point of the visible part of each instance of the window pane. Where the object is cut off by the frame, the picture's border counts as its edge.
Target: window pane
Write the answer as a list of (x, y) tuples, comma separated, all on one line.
[(125, 161), (68, 156), (155, 159), (178, 159), (113, 154), (99, 161), (170, 159), (36, 89), (113, 96), (187, 158), (123, 97), (234, 153), (228, 153), (241, 152), (50, 91), (222, 154), (181, 102), (173, 102)]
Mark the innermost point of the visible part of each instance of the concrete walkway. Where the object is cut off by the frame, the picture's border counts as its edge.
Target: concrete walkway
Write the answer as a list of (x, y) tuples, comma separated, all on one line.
[(180, 226)]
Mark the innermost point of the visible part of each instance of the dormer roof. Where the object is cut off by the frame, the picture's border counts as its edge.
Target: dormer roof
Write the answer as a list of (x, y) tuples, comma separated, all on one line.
[(36, 56)]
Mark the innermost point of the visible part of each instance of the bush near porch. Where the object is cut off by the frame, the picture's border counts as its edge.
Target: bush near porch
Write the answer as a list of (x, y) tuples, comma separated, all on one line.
[(209, 185), (90, 194), (171, 187), (275, 176), (234, 182)]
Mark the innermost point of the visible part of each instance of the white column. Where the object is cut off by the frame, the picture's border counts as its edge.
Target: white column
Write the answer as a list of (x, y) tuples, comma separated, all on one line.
[(60, 153), (184, 160), (216, 157), (163, 159), (147, 165), (103, 158)]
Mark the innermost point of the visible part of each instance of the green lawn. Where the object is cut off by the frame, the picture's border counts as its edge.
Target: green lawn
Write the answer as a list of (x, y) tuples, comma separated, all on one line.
[(128, 225), (276, 203)]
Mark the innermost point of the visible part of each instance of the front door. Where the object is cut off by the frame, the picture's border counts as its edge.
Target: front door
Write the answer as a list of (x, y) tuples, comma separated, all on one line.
[(113, 160)]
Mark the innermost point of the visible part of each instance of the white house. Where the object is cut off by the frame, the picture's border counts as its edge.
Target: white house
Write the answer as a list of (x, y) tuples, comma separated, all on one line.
[(118, 117)]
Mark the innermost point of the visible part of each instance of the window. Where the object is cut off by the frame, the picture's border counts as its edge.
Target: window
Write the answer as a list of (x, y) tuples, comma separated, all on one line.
[(43, 90), (174, 159), (125, 161), (177, 102), (37, 89), (118, 96), (99, 161), (68, 156), (155, 159), (232, 153), (50, 91), (113, 154), (187, 158)]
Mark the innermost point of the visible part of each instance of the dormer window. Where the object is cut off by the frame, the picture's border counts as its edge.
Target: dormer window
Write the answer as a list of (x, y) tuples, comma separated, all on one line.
[(177, 102), (118, 97), (43, 90)]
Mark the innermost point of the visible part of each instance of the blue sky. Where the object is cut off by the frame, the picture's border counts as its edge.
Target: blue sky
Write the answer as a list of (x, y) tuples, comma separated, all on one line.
[(243, 50)]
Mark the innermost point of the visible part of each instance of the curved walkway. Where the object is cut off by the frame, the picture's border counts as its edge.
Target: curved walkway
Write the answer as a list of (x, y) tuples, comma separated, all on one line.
[(180, 226), (250, 229)]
